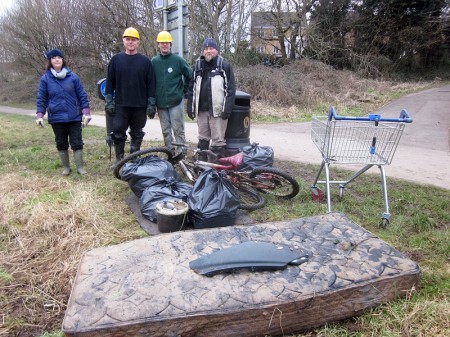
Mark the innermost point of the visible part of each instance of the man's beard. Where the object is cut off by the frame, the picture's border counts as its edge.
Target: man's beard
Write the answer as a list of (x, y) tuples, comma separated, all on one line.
[(208, 58)]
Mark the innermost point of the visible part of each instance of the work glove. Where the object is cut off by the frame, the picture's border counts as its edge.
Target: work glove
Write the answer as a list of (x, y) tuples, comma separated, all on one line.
[(40, 119), (191, 114), (86, 116), (151, 107), (188, 108), (225, 115), (109, 105)]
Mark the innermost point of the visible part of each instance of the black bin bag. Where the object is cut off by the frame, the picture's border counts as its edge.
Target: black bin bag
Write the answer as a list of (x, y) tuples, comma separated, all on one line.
[(213, 201), (256, 156), (147, 171), (167, 189)]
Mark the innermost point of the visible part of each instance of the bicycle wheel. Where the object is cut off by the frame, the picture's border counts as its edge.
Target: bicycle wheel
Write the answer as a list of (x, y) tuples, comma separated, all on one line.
[(250, 199), (162, 152), (274, 181)]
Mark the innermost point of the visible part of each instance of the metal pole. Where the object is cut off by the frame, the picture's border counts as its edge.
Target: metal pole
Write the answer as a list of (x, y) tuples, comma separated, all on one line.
[(165, 15), (180, 28)]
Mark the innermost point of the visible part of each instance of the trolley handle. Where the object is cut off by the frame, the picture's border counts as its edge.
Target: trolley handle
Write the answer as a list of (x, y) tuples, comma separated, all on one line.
[(403, 118)]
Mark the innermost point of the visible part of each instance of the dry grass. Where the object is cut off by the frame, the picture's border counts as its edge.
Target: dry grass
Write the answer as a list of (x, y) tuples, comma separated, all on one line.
[(306, 87), (48, 222)]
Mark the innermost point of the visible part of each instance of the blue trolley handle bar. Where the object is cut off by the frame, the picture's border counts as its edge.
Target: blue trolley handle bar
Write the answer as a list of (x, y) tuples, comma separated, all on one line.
[(403, 118)]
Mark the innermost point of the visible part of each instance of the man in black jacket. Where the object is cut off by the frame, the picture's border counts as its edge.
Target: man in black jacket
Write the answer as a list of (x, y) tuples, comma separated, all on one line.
[(129, 93), (211, 97)]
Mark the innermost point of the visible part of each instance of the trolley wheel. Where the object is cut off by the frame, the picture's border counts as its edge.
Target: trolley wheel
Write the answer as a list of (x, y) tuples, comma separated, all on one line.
[(317, 194), (384, 223), (341, 191), (162, 152), (274, 181), (250, 198)]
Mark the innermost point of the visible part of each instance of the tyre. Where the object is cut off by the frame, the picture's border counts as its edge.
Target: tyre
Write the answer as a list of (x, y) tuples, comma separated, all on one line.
[(274, 181), (250, 199), (162, 152)]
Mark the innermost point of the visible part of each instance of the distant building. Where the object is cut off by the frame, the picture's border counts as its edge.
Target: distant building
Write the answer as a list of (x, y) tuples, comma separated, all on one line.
[(264, 33)]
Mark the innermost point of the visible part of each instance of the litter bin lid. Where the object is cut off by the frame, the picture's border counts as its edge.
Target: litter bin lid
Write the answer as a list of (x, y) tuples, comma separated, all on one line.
[(241, 94)]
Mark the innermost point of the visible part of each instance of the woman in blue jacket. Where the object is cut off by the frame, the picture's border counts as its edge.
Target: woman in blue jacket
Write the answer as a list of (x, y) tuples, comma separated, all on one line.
[(62, 95)]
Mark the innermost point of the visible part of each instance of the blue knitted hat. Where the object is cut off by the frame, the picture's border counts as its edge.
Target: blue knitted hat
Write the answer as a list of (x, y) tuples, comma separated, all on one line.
[(53, 53), (210, 42)]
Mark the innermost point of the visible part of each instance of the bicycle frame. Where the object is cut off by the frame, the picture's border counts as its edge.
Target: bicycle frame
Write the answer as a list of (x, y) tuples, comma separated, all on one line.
[(267, 180), (235, 176)]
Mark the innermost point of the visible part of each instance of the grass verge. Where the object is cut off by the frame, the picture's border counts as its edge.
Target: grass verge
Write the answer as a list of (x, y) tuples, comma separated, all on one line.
[(47, 222)]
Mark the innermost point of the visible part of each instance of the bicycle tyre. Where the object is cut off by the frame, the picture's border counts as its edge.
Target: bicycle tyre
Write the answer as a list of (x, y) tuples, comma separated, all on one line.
[(274, 181), (250, 199), (160, 151)]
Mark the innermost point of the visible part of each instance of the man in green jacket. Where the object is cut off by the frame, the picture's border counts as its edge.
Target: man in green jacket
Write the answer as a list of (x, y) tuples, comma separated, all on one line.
[(173, 75)]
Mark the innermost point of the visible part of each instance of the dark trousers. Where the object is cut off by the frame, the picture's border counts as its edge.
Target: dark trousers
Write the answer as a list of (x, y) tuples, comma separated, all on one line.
[(134, 118), (66, 133)]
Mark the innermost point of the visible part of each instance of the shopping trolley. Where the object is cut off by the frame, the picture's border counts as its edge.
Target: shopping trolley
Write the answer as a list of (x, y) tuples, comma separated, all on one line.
[(368, 140)]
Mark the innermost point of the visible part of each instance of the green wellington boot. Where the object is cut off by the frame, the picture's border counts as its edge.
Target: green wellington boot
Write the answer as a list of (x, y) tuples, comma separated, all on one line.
[(64, 156)]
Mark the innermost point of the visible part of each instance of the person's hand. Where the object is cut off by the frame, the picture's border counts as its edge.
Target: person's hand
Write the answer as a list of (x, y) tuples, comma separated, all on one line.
[(40, 119), (151, 111), (151, 108), (40, 122), (191, 114), (86, 116), (225, 115), (86, 119), (109, 106)]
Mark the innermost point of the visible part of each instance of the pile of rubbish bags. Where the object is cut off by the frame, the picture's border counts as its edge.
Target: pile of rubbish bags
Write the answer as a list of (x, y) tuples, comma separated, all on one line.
[(212, 201)]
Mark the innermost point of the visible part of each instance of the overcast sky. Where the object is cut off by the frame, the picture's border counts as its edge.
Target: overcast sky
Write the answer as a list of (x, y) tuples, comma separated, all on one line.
[(5, 4)]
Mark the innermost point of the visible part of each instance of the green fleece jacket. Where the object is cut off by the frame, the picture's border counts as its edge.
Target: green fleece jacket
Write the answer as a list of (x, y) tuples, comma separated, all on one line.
[(173, 75)]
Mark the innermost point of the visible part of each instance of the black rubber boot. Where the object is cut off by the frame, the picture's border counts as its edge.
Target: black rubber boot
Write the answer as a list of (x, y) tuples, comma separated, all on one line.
[(219, 151), (203, 145), (135, 145), (119, 148)]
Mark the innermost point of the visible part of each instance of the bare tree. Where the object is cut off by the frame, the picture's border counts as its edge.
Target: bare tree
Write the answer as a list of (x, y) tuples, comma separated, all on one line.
[(227, 21)]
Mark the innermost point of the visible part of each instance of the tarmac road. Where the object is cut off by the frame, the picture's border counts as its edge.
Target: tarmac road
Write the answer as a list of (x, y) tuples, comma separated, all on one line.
[(422, 156)]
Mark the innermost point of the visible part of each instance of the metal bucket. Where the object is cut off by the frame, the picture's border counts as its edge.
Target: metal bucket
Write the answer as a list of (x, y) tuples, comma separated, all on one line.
[(171, 215)]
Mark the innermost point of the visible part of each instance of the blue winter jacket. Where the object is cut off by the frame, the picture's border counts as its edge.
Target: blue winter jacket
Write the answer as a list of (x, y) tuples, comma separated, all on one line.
[(63, 99)]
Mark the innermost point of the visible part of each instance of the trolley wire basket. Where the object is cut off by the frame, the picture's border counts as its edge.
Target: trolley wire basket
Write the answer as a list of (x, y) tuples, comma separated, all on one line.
[(370, 140)]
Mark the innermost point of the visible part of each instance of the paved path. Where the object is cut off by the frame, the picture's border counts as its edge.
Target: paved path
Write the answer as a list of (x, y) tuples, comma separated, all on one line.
[(423, 155)]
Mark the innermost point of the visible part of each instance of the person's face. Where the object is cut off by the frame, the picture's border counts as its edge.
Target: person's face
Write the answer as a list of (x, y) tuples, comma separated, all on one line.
[(56, 62), (131, 44), (164, 47), (209, 53)]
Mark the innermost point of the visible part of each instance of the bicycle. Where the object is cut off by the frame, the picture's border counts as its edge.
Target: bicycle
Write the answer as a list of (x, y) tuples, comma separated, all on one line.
[(269, 180), (249, 198)]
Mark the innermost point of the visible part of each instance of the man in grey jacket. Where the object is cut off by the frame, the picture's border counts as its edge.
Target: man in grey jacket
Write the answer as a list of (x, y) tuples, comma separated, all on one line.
[(211, 97)]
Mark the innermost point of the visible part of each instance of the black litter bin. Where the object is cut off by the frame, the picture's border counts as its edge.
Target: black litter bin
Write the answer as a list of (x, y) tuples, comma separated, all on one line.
[(238, 130)]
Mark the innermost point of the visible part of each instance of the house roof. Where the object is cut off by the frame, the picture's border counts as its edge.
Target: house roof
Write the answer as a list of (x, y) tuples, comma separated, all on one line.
[(268, 19)]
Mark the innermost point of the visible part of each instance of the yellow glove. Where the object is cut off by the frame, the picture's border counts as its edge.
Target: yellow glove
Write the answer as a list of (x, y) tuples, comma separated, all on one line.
[(40, 122)]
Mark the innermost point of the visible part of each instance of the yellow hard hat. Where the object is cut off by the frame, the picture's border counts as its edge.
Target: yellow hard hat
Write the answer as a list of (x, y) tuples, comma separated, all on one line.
[(164, 36), (131, 32)]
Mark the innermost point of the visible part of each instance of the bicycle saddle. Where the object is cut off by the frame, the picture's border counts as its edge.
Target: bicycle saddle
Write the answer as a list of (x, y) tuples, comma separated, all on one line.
[(235, 160), (252, 255)]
